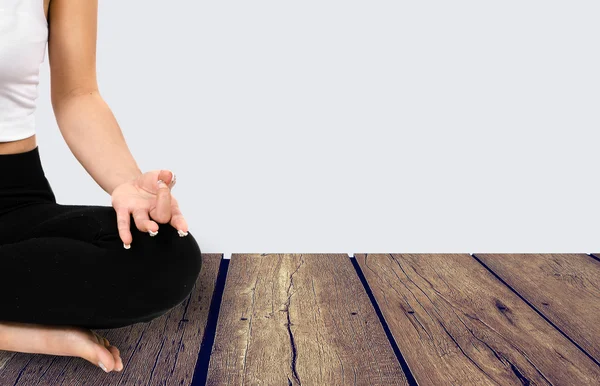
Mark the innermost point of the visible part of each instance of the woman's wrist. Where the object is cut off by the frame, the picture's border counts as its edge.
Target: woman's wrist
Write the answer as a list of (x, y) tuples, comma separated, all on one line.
[(123, 177)]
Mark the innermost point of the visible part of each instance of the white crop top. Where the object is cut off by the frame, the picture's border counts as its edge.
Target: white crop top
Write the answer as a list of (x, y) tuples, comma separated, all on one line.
[(23, 39)]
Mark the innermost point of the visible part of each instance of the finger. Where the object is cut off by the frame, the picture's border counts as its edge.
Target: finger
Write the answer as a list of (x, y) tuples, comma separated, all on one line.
[(123, 225), (167, 176), (162, 212), (143, 222), (177, 220)]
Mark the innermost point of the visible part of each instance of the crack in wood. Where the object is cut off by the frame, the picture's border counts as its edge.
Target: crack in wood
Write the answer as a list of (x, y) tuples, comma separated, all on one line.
[(289, 325), (40, 378), (521, 377), (183, 320), (564, 358), (532, 364), (125, 363), (502, 358), (162, 344), (465, 354), (411, 292), (251, 316), (319, 344), (511, 345), (342, 366), (410, 312)]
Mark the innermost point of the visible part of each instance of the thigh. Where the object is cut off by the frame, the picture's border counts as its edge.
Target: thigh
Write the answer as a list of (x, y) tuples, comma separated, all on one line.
[(78, 222), (63, 281), (65, 264), (94, 224)]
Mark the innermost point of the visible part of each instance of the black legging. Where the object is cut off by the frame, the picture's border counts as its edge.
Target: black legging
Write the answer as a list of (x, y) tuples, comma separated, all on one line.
[(66, 265)]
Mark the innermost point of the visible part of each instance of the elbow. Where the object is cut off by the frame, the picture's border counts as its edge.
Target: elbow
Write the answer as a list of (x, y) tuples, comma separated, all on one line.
[(60, 98)]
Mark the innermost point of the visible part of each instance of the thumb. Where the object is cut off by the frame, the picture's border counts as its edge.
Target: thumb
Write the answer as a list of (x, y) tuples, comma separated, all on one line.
[(168, 177)]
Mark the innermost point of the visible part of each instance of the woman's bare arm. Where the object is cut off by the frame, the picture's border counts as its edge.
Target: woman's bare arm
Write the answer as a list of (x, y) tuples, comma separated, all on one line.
[(85, 121)]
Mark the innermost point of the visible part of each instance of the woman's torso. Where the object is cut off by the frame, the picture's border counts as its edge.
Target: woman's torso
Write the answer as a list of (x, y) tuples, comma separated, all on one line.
[(26, 144)]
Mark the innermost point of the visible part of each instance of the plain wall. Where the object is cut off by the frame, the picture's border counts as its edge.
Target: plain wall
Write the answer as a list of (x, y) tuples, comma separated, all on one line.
[(351, 127)]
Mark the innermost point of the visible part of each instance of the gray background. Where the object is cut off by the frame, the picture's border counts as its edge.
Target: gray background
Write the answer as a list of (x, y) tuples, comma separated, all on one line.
[(345, 126)]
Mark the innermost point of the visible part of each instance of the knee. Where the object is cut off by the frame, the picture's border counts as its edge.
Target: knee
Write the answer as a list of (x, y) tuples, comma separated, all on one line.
[(174, 269), (185, 257), (190, 258)]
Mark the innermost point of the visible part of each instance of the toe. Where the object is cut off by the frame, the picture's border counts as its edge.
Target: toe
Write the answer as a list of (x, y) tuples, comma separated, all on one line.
[(98, 338), (104, 356), (117, 358)]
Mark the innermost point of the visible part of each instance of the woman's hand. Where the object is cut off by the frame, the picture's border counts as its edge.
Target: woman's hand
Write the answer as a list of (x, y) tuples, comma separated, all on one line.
[(148, 194)]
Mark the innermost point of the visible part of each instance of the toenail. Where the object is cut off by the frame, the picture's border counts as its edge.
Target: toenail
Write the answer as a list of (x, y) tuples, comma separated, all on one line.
[(102, 366)]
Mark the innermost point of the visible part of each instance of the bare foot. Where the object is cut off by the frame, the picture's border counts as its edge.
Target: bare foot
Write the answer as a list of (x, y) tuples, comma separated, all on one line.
[(60, 340)]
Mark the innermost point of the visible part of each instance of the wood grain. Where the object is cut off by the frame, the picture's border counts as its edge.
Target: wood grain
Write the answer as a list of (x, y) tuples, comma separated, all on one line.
[(162, 351), (563, 287), (455, 323), (291, 319)]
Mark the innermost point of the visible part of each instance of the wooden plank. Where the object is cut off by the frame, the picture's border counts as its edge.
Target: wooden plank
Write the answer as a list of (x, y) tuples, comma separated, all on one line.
[(163, 351), (456, 323), (563, 287), (291, 319)]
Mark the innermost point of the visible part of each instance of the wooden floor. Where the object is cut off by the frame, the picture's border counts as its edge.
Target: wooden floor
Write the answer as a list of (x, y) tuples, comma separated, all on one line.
[(370, 319)]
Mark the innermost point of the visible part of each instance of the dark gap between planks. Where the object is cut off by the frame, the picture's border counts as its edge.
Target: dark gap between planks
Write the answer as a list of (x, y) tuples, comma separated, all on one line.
[(201, 370), (388, 333), (595, 256)]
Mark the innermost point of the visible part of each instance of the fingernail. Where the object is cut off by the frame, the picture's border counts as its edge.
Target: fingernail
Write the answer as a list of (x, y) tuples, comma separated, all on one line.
[(182, 233), (161, 183), (126, 246), (152, 234), (173, 179), (102, 367)]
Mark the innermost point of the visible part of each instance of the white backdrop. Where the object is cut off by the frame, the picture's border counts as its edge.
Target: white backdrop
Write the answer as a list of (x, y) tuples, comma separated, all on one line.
[(346, 126)]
